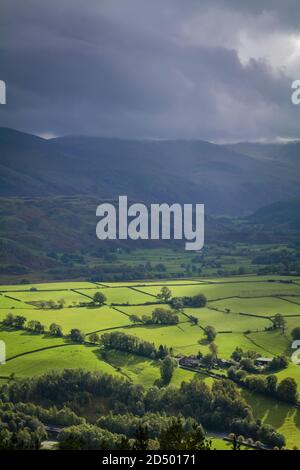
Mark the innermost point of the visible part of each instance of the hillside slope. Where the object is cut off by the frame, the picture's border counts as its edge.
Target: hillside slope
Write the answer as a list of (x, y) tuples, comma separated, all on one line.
[(151, 171)]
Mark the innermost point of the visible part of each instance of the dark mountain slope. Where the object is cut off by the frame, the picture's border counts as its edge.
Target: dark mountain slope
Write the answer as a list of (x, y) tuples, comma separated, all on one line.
[(285, 153), (151, 171), (279, 214)]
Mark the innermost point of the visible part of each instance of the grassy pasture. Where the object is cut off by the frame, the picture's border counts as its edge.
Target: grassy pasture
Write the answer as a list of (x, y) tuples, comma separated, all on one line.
[(18, 342), (86, 319), (220, 291), (270, 343), (6, 302), (158, 282), (179, 336), (68, 296), (56, 286), (121, 295), (292, 322), (284, 417), (265, 306), (227, 321), (143, 371), (65, 357)]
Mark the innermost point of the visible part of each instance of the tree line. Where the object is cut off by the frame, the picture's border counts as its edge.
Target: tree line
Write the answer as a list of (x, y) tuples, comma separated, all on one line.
[(219, 407)]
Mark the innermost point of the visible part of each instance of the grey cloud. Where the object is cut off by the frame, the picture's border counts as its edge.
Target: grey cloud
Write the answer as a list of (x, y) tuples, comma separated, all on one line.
[(125, 68)]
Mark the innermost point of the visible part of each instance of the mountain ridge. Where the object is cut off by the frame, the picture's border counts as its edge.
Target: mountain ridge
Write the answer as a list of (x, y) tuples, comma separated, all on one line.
[(184, 171)]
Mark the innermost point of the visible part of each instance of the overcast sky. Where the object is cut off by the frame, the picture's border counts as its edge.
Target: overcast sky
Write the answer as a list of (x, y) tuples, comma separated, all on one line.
[(219, 70)]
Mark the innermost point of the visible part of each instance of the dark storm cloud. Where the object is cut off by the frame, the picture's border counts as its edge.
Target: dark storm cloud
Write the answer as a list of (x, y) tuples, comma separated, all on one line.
[(142, 68)]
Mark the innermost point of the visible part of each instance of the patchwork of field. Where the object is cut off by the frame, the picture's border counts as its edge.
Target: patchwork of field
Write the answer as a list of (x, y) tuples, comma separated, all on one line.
[(219, 290), (240, 309)]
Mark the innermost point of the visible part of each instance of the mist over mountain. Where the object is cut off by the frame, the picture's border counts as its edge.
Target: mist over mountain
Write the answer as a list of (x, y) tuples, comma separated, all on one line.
[(226, 181)]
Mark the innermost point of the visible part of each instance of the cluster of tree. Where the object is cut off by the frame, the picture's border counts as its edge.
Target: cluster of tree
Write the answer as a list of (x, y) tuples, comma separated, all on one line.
[(159, 316), (20, 431), (218, 407), (167, 367), (51, 304), (14, 321), (196, 301), (132, 344), (260, 433), (282, 258), (128, 423), (89, 437), (51, 416), (174, 436), (239, 354), (247, 361), (286, 390), (35, 326), (178, 303), (210, 333), (277, 363), (279, 322)]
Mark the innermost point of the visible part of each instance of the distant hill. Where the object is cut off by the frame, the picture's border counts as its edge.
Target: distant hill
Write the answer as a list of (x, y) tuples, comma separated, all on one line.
[(151, 171), (283, 214), (284, 153)]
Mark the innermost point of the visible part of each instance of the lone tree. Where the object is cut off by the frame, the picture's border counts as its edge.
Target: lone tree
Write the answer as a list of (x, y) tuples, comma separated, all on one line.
[(165, 294), (213, 349), (77, 336), (99, 298), (55, 330), (210, 333), (167, 367), (287, 390), (279, 322)]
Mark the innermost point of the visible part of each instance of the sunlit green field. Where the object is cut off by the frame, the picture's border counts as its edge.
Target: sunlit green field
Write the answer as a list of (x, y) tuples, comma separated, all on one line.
[(219, 291), (227, 299), (86, 319), (18, 342), (68, 356), (284, 417), (264, 306)]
